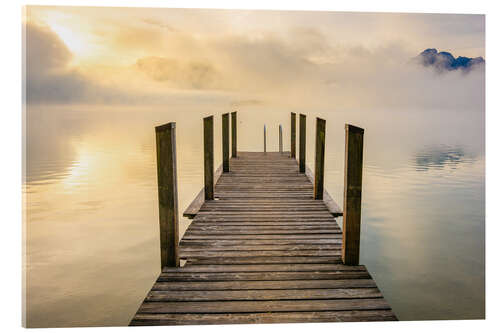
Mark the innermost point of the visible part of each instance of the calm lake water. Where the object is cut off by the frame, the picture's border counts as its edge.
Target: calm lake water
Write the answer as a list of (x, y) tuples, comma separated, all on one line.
[(91, 215)]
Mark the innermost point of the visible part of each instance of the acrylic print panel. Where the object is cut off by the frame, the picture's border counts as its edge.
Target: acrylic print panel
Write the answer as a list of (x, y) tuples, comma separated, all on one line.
[(105, 200)]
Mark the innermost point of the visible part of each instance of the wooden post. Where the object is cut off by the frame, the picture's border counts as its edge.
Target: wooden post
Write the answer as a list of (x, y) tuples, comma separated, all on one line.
[(302, 144), (234, 135), (353, 172), (319, 163), (208, 156), (292, 135), (166, 165), (264, 138), (225, 142), (281, 139)]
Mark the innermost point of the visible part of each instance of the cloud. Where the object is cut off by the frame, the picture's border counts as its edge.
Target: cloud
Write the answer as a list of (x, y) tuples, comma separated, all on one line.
[(187, 75), (301, 69), (158, 23), (247, 102), (49, 77)]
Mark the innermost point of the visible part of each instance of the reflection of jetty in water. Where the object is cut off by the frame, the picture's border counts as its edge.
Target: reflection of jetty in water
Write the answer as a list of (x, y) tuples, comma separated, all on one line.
[(437, 157)]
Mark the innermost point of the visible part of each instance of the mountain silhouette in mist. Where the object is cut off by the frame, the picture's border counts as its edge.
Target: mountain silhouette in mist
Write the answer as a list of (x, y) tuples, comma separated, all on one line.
[(445, 61)]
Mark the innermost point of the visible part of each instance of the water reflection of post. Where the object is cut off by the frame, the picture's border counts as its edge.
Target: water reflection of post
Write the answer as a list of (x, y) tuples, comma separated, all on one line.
[(353, 172), (166, 163)]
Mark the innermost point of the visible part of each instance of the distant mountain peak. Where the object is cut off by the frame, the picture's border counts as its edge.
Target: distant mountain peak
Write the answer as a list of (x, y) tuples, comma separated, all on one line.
[(445, 61)]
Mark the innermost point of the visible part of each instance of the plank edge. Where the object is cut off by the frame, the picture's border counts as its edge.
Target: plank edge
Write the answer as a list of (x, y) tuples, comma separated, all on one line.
[(332, 206), (194, 207)]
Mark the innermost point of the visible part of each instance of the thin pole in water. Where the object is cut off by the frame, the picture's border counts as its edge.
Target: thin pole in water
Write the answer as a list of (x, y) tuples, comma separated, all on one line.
[(264, 138), (281, 139)]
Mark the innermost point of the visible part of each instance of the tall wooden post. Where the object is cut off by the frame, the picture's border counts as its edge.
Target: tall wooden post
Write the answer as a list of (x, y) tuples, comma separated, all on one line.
[(302, 144), (166, 165), (281, 139), (264, 138), (353, 172), (293, 135), (225, 142), (208, 156), (234, 135), (319, 163)]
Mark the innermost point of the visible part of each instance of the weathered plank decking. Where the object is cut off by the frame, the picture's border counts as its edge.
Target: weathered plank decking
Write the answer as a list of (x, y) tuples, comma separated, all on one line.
[(264, 251)]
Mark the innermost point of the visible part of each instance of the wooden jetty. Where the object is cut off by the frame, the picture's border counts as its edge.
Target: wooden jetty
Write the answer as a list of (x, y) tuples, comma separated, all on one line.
[(264, 245)]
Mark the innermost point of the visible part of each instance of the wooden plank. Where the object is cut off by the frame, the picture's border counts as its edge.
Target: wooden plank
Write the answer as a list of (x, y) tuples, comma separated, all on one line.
[(263, 218), (262, 318), (264, 306), (241, 227), (267, 219), (271, 216), (239, 253), (265, 285), (268, 208), (240, 210), (290, 217), (166, 161), (265, 236), (262, 222), (218, 230), (257, 232), (231, 242), (229, 214), (265, 260), (263, 268), (262, 203), (261, 295), (352, 194), (252, 202), (271, 247), (267, 188), (192, 232), (251, 229), (262, 276), (264, 193)]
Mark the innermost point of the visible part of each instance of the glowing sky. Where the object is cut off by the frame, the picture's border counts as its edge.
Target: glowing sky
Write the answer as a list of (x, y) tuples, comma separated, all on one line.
[(91, 55)]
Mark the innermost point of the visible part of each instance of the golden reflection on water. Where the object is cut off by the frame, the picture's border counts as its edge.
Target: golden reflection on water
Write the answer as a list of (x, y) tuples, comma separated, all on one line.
[(92, 222)]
